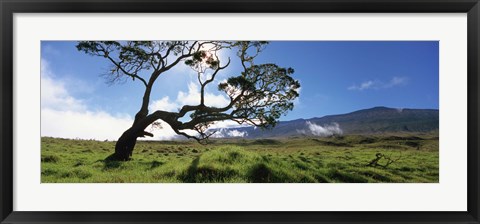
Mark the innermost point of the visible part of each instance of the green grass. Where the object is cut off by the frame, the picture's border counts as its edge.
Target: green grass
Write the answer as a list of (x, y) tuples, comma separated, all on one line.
[(294, 160)]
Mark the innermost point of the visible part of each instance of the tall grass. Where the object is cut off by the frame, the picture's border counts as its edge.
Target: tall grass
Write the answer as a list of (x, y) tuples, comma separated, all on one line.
[(294, 160)]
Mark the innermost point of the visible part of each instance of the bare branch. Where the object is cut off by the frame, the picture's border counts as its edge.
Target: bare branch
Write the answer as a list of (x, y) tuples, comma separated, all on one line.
[(202, 91), (133, 75)]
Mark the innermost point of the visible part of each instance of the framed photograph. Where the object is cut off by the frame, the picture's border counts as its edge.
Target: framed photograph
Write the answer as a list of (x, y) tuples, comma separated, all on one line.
[(239, 112)]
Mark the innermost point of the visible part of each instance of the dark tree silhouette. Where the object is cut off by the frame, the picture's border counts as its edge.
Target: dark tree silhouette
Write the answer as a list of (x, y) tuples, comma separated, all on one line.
[(258, 96)]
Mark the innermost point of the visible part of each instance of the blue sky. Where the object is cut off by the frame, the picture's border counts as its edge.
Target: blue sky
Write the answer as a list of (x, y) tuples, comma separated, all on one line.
[(335, 76)]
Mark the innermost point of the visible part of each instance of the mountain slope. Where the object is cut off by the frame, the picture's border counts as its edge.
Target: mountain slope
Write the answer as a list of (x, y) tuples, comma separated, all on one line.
[(368, 121)]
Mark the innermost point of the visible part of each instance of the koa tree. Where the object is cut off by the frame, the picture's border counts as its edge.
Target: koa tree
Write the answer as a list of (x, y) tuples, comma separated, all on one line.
[(259, 94)]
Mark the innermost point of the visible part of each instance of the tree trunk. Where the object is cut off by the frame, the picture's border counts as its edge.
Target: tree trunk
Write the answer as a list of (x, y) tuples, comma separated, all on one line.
[(126, 143), (124, 146)]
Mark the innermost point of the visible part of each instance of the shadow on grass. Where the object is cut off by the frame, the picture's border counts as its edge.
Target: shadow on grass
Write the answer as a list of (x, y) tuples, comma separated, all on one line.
[(265, 142), (331, 143), (260, 173), (155, 164), (344, 177), (189, 176), (50, 159), (111, 164), (206, 174)]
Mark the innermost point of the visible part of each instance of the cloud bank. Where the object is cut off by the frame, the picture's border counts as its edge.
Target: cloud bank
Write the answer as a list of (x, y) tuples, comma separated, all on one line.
[(227, 133), (62, 115), (323, 131)]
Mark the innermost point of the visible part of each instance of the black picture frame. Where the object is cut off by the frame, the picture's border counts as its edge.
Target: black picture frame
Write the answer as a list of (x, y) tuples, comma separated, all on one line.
[(9, 7)]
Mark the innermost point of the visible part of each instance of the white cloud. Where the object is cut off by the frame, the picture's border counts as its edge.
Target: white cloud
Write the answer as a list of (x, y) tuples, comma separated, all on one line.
[(227, 124), (227, 133), (318, 130), (397, 81), (83, 124), (236, 133), (54, 94), (164, 132), (62, 115), (192, 97), (226, 129), (164, 104), (375, 84), (362, 86), (296, 101)]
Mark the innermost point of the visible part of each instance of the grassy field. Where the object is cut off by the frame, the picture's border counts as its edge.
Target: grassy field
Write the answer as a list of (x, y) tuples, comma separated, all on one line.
[(340, 159)]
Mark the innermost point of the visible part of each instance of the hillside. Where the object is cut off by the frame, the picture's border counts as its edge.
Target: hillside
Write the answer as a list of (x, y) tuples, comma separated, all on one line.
[(375, 120)]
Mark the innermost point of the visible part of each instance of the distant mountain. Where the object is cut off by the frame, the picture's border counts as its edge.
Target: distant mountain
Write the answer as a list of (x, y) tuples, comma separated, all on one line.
[(368, 121)]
